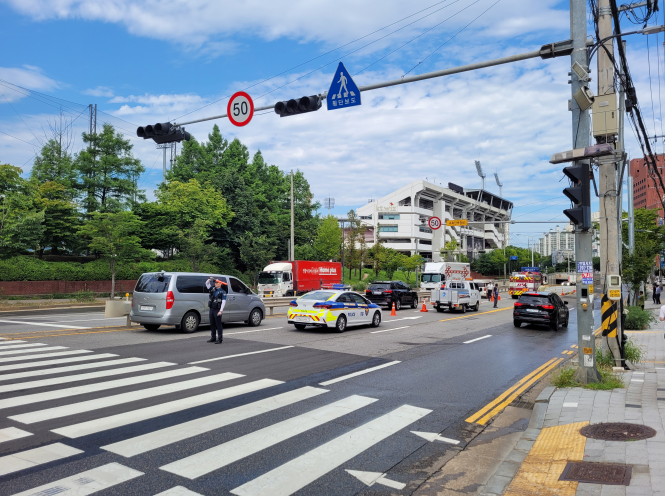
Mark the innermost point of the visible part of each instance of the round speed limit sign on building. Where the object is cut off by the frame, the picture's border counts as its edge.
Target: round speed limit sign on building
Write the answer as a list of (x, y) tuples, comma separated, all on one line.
[(240, 109), (434, 223)]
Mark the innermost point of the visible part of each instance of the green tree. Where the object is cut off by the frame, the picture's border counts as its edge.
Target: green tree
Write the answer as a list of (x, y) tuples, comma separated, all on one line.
[(328, 239), (352, 255), (55, 164), (114, 237), (21, 220), (649, 238), (194, 246), (376, 255), (256, 252), (411, 263), (61, 219), (108, 172)]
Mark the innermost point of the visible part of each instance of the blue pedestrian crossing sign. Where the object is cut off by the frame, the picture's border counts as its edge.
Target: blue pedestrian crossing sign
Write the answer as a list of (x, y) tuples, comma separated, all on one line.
[(343, 91)]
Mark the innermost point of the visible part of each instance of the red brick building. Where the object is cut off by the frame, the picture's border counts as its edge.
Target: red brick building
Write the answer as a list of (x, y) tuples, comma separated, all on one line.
[(645, 194)]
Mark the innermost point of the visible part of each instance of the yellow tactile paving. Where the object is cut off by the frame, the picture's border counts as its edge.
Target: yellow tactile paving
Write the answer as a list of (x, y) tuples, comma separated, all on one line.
[(540, 471)]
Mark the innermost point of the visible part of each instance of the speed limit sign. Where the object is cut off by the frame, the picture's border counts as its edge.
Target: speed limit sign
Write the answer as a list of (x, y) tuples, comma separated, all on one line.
[(434, 223), (240, 109)]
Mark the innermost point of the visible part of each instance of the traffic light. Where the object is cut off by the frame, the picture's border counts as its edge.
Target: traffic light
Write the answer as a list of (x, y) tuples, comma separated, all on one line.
[(579, 193), (300, 106), (163, 132)]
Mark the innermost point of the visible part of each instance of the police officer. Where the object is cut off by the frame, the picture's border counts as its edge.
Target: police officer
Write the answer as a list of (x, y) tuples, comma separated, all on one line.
[(216, 304)]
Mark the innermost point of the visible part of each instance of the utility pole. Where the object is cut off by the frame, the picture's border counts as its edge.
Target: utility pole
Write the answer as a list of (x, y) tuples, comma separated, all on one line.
[(293, 256), (587, 371), (608, 184)]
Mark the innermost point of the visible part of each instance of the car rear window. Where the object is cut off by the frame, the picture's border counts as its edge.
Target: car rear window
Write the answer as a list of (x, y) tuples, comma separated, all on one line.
[(153, 283), (318, 295), (379, 287), (534, 300)]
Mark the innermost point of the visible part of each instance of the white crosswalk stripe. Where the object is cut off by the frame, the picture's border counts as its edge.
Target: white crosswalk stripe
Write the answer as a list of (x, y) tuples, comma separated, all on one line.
[(220, 456), (299, 472), (71, 368), (31, 350), (87, 482), (10, 342), (38, 456), (11, 346), (11, 433), (83, 377), (178, 491), (93, 388), (170, 435), (121, 419), (46, 355), (58, 361)]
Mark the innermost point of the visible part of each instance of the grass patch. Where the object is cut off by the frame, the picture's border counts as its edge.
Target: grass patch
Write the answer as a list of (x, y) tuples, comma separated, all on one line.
[(634, 353), (565, 378)]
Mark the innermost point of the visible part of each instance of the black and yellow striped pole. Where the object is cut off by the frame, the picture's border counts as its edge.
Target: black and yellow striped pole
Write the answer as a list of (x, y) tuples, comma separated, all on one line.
[(609, 315)]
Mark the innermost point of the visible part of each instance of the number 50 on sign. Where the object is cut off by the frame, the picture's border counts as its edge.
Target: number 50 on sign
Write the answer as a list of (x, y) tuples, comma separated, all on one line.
[(240, 109)]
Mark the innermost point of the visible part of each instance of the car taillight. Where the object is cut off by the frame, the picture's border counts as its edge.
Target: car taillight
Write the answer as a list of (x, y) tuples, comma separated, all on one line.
[(547, 307), (518, 304), (293, 304), (388, 291), (169, 300), (367, 291)]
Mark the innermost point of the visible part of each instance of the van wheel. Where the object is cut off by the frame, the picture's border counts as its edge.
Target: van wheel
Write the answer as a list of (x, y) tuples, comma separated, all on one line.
[(376, 320), (151, 327), (255, 317), (190, 322), (340, 325)]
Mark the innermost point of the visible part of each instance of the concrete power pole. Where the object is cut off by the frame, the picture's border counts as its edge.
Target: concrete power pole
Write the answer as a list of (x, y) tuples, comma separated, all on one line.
[(293, 256), (587, 371), (605, 131)]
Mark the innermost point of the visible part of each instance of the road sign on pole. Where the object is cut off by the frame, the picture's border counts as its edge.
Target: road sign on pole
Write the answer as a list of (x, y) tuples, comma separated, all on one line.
[(434, 223), (459, 222), (343, 91), (240, 109)]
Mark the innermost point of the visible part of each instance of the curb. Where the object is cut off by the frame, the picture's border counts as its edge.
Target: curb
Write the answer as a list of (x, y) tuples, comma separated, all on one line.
[(54, 309), (503, 475)]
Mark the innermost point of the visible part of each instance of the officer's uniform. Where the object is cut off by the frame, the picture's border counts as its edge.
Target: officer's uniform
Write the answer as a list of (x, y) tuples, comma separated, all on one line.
[(216, 304)]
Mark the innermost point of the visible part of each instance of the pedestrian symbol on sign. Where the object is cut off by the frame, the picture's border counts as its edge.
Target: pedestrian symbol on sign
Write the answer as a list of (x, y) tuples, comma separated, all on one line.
[(343, 90)]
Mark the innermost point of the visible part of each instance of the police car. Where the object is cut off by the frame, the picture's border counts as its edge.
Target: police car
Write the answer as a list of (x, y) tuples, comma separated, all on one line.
[(337, 309)]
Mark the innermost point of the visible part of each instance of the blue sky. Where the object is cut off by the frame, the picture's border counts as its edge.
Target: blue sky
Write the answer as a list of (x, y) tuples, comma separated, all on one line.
[(152, 61)]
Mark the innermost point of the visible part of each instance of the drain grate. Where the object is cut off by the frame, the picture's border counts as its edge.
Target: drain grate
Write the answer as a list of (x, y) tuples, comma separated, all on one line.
[(597, 473), (618, 431)]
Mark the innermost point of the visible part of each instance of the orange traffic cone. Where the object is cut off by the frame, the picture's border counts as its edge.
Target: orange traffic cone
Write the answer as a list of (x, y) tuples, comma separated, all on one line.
[(393, 313), (424, 309), (491, 296)]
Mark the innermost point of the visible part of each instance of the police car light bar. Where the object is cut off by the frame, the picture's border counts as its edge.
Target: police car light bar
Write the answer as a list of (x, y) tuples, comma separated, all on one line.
[(582, 153)]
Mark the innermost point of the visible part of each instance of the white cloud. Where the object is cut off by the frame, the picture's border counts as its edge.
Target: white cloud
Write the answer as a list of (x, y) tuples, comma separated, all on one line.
[(28, 76), (99, 91), (195, 23), (150, 104)]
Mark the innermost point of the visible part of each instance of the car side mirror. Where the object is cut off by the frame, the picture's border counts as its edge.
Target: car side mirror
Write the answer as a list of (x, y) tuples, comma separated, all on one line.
[(565, 303)]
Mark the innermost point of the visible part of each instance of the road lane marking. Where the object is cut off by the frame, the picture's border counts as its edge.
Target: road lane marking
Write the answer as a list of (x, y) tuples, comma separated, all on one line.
[(305, 469), (11, 433), (371, 478), (506, 393), (405, 318), (8, 346), (93, 388), (31, 350), (360, 372), (120, 399), (3, 321), (59, 361), (34, 457), (87, 482), (83, 377), (178, 491), (474, 314), (477, 339), (70, 368), (131, 417), (388, 330), (169, 435), (239, 355), (433, 436), (46, 355), (222, 455), (256, 330), (3, 345)]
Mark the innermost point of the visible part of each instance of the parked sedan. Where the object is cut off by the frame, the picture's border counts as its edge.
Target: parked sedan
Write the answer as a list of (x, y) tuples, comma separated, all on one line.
[(336, 309), (388, 292), (541, 308)]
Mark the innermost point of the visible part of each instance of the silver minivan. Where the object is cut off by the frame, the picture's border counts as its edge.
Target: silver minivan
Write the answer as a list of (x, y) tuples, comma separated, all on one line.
[(180, 299)]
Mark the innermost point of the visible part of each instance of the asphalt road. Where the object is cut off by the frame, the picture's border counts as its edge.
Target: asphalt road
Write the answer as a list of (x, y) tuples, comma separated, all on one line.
[(139, 413)]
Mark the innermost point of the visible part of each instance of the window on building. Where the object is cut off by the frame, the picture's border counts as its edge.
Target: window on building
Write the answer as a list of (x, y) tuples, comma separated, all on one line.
[(406, 202), (366, 217), (426, 204), (425, 229), (424, 242), (389, 216), (387, 228)]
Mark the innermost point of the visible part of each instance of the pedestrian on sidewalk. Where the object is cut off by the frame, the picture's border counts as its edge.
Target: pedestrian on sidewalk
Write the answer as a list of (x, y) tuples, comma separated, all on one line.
[(640, 300), (653, 293), (216, 304), (658, 291), (496, 295)]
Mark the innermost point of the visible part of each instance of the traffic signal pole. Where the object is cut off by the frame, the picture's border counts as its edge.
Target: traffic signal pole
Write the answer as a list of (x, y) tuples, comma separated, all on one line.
[(586, 371)]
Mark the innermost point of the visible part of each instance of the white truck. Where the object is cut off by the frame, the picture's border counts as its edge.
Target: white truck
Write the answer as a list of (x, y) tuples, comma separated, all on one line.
[(457, 294), (437, 273)]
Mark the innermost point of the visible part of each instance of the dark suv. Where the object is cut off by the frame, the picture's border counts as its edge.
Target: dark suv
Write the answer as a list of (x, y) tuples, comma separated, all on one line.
[(541, 308), (387, 292)]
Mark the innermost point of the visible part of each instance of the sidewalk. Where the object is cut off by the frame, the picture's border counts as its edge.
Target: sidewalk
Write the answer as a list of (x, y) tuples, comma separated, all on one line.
[(553, 438)]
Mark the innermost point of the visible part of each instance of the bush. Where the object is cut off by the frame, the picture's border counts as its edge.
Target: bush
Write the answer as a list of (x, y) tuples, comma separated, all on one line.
[(359, 286), (565, 378), (634, 352), (638, 319)]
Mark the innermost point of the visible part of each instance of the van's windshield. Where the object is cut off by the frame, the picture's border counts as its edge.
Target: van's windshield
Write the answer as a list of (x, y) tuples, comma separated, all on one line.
[(431, 277), (270, 277), (153, 283)]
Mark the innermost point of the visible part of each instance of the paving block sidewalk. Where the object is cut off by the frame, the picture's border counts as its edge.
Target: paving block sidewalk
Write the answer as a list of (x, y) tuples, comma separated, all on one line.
[(553, 436)]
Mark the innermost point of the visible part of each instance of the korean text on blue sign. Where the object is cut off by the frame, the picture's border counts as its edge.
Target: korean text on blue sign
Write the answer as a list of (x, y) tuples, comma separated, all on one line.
[(584, 266), (513, 257), (530, 269), (343, 90)]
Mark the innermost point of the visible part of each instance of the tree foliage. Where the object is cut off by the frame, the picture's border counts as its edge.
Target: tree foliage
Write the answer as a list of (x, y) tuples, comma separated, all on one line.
[(328, 239), (21, 220)]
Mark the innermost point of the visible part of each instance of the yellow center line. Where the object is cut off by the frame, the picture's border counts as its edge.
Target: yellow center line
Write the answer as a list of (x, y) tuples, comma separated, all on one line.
[(519, 391), (474, 314), (490, 405)]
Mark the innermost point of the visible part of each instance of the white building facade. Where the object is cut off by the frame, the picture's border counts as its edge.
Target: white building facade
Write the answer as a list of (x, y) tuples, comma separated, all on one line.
[(558, 243), (400, 220)]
